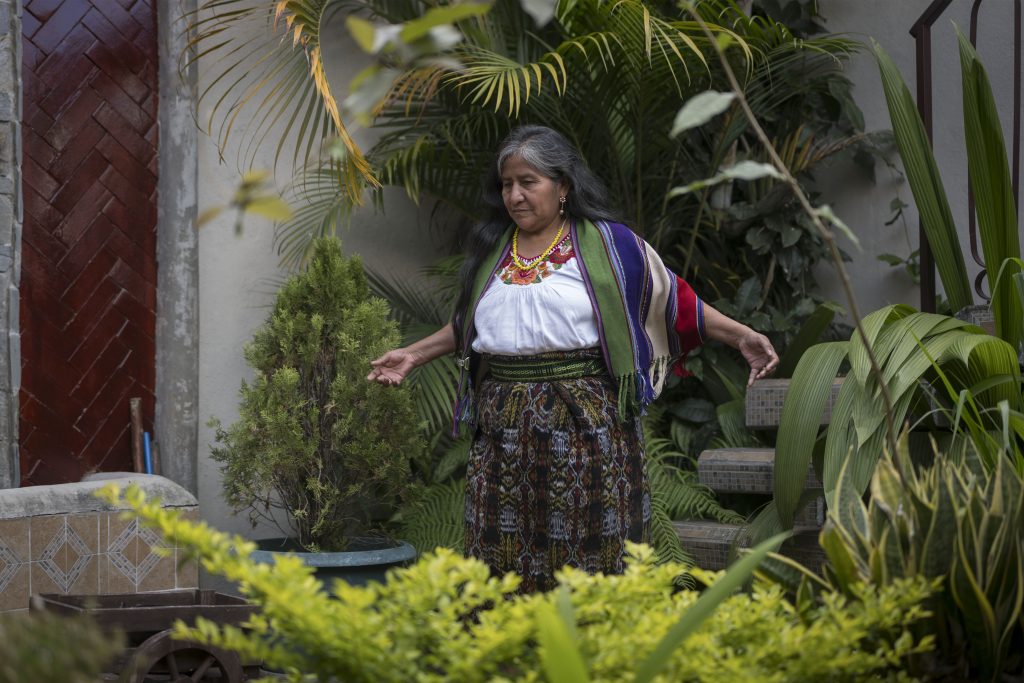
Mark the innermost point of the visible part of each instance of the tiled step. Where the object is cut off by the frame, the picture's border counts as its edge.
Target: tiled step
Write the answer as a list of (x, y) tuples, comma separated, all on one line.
[(742, 470), (710, 544), (749, 471), (765, 399)]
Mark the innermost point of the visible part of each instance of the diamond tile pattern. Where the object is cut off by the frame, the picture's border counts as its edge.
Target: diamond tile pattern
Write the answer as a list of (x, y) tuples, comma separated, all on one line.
[(132, 552), (65, 557), (88, 291), (8, 565)]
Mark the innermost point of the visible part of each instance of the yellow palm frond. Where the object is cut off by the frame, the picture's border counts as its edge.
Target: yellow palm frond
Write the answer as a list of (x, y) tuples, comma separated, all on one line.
[(282, 84)]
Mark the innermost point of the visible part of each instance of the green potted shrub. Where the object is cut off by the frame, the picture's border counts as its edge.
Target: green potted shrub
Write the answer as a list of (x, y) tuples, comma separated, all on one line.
[(314, 439)]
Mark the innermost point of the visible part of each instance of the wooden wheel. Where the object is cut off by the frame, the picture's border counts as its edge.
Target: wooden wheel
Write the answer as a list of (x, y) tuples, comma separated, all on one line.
[(166, 659)]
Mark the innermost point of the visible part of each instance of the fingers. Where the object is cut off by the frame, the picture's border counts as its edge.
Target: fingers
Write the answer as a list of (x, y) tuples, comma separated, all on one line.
[(761, 367), (388, 379)]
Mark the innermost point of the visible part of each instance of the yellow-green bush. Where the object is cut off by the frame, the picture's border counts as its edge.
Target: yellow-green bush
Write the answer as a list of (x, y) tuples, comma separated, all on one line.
[(40, 647), (446, 619)]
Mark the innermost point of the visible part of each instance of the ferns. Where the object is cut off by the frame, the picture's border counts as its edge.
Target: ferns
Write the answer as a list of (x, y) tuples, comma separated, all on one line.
[(679, 493), (436, 518)]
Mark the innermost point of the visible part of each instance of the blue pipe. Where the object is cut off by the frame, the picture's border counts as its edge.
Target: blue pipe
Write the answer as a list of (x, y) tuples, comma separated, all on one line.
[(148, 452)]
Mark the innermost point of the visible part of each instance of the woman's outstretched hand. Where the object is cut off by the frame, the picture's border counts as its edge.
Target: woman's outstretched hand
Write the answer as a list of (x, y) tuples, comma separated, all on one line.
[(391, 368), (759, 354)]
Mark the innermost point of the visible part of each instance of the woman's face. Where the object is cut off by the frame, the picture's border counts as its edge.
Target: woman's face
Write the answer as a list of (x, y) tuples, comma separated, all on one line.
[(530, 197)]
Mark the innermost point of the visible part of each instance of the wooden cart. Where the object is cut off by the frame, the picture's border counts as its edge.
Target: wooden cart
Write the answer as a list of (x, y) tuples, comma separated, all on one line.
[(152, 654)]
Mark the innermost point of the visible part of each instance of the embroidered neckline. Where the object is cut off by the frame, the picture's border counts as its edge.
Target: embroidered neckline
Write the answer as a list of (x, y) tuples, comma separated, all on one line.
[(510, 274)]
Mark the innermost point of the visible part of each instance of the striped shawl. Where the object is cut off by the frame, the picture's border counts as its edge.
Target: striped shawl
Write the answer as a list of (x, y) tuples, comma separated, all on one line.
[(648, 318)]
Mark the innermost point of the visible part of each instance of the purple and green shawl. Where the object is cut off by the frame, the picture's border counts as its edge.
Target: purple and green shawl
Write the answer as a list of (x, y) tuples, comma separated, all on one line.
[(648, 318)]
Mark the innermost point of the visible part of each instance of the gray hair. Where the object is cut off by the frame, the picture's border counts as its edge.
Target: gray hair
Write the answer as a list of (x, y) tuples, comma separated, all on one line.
[(552, 155)]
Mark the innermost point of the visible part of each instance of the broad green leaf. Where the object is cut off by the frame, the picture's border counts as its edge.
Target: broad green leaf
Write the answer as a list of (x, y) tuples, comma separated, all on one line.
[(809, 334), (992, 184), (437, 17), (694, 410), (744, 170), (938, 551), (872, 324), (700, 109), (840, 558), (802, 413), (848, 510), (838, 439), (559, 652), (925, 182), (887, 489), (826, 213), (789, 574), (272, 208), (363, 32), (705, 606), (979, 618)]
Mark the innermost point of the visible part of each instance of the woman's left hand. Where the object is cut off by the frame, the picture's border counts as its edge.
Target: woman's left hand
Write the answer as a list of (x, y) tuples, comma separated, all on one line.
[(759, 353)]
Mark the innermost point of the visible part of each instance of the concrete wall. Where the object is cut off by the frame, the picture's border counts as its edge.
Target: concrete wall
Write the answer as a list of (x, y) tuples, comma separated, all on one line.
[(866, 208), (10, 237), (238, 274)]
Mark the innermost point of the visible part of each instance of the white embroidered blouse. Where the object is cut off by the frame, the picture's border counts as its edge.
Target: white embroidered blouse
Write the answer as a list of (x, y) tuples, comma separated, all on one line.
[(546, 308)]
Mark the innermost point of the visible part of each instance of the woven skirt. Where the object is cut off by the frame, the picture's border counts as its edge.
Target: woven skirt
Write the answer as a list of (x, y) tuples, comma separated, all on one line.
[(554, 477)]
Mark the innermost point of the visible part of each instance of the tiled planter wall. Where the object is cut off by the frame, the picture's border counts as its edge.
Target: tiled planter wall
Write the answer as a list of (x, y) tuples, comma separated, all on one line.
[(61, 539)]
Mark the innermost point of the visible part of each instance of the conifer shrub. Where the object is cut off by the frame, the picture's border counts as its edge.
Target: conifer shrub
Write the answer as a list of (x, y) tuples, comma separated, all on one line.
[(446, 618), (313, 437)]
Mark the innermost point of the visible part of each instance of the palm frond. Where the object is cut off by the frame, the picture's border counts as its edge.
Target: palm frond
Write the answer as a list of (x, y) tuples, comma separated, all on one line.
[(285, 84)]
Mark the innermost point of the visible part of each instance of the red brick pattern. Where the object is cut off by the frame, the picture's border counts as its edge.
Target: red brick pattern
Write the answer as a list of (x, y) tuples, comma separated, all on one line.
[(88, 290)]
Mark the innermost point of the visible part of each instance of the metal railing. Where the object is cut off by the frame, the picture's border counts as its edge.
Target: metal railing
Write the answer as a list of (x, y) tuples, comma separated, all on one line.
[(922, 33)]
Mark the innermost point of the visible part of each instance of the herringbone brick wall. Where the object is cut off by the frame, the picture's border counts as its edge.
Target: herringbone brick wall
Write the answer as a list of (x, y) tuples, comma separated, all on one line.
[(88, 293)]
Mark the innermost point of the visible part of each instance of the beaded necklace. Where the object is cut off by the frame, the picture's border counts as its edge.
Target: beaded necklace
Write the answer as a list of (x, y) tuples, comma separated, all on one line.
[(528, 264)]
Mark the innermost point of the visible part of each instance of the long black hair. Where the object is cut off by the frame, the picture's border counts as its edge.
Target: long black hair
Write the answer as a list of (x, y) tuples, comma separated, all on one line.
[(550, 154)]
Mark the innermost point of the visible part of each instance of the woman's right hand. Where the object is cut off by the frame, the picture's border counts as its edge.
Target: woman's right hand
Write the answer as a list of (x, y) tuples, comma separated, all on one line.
[(391, 368)]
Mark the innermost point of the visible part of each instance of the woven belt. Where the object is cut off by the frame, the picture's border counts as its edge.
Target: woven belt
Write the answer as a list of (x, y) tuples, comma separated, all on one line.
[(536, 369)]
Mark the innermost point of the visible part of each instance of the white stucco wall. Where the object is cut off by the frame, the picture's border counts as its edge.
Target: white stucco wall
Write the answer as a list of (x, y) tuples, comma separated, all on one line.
[(237, 273), (866, 208)]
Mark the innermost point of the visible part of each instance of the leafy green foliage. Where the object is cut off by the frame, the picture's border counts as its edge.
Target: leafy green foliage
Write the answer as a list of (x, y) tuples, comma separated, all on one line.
[(35, 647), (972, 378), (955, 522), (446, 618), (612, 77), (314, 438)]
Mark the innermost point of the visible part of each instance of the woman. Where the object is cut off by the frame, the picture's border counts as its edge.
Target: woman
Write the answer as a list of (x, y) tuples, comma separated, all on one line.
[(565, 348)]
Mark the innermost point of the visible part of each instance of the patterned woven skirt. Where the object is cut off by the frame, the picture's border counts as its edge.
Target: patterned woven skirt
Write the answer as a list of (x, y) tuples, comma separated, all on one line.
[(554, 477)]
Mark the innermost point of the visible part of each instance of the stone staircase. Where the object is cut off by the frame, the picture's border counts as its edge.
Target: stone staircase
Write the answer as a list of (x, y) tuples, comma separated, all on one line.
[(748, 472)]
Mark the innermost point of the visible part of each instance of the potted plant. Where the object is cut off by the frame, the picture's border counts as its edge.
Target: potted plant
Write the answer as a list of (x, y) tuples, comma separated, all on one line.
[(314, 439)]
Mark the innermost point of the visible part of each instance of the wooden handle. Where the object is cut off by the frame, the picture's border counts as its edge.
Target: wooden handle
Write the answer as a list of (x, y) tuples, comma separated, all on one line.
[(135, 407)]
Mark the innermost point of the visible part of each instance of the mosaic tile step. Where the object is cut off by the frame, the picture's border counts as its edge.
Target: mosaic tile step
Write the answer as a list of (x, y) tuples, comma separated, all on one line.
[(710, 544), (765, 399), (742, 470)]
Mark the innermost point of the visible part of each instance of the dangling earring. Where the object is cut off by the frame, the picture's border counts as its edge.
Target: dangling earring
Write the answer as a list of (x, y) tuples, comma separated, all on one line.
[(561, 205)]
